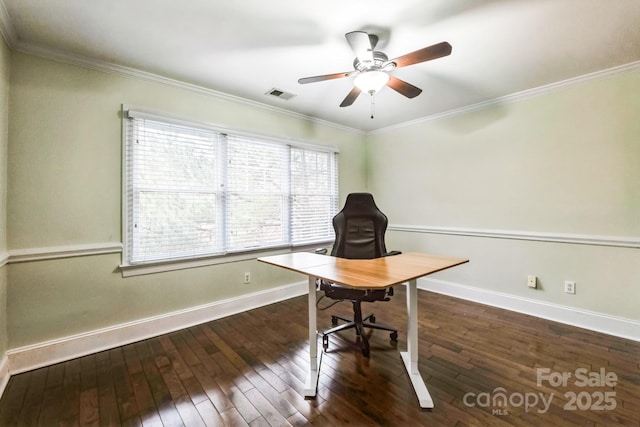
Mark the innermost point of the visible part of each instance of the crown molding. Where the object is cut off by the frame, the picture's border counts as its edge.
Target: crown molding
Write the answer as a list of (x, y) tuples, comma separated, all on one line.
[(13, 41), (8, 32), (121, 70), (518, 96), (7, 29)]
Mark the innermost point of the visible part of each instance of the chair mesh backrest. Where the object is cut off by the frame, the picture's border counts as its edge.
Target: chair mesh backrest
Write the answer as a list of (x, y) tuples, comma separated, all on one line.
[(360, 229)]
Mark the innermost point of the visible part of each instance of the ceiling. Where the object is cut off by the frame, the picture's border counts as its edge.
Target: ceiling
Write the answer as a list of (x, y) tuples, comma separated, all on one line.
[(246, 48)]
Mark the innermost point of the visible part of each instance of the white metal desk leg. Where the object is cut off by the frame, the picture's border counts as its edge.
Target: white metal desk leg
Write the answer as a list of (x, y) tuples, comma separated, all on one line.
[(410, 357), (311, 385)]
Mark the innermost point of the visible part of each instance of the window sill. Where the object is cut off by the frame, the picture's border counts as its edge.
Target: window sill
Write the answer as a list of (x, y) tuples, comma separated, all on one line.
[(131, 270)]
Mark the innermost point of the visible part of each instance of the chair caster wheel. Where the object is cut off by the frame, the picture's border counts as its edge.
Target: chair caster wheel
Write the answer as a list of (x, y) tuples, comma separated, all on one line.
[(325, 342), (393, 336), (372, 319), (334, 321)]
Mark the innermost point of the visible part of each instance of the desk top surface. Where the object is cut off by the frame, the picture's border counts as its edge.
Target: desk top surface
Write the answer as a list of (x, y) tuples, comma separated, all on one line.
[(364, 273)]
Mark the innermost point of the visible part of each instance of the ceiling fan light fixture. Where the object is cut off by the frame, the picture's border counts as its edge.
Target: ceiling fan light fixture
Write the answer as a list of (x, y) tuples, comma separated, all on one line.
[(371, 81), (373, 68)]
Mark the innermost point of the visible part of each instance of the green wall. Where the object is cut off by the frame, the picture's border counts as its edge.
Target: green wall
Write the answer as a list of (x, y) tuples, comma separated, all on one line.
[(5, 60), (562, 162), (65, 189)]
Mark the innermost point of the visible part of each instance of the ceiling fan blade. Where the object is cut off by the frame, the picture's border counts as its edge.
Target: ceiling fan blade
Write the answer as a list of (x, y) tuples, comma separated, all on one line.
[(314, 79), (361, 45), (403, 88), (425, 54), (351, 97)]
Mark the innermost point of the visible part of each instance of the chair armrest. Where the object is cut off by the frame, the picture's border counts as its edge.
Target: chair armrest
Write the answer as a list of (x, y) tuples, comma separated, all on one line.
[(321, 251), (392, 253)]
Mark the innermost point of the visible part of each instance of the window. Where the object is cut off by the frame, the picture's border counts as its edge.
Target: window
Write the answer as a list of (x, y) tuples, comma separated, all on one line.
[(196, 191)]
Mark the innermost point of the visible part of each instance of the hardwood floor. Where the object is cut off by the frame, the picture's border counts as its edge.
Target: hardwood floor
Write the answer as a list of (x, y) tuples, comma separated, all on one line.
[(248, 369)]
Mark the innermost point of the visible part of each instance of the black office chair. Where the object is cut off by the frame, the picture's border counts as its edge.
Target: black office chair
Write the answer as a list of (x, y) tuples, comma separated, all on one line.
[(360, 229)]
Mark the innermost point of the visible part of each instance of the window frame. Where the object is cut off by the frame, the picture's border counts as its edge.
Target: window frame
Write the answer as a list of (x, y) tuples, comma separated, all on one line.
[(133, 269)]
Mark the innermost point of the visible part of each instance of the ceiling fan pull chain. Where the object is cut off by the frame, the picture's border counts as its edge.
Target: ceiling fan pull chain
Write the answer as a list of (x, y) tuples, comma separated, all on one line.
[(372, 68), (373, 105)]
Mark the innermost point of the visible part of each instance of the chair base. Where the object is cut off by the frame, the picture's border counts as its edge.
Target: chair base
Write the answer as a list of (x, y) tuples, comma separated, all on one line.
[(359, 324)]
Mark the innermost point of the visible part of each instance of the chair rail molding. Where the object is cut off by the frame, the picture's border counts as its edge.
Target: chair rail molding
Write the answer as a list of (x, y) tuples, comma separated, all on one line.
[(4, 258), (57, 252), (579, 239)]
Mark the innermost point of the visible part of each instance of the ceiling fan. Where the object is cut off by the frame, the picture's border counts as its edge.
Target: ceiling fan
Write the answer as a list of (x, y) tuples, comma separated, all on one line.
[(372, 67)]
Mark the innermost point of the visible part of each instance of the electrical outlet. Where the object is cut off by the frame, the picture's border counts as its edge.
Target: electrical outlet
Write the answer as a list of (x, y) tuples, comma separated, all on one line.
[(532, 281), (569, 287), (247, 278)]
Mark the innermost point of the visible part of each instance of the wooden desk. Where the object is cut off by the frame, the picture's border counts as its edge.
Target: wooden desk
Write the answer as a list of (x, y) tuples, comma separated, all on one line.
[(367, 274)]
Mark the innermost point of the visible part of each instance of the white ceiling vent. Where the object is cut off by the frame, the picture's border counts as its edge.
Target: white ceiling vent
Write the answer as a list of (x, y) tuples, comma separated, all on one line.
[(278, 93)]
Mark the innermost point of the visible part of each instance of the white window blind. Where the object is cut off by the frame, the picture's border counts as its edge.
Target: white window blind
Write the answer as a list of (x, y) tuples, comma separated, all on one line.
[(314, 194), (194, 191), (257, 194)]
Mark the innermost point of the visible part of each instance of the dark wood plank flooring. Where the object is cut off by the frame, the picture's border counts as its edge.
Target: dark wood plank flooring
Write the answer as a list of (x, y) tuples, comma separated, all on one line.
[(248, 369)]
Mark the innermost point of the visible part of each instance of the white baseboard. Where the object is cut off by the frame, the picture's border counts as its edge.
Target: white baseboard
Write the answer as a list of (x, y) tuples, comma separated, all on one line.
[(599, 322), (4, 373), (47, 353)]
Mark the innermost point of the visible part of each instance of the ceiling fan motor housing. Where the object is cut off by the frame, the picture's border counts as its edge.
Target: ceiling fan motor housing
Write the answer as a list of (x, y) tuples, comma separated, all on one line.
[(379, 58), (372, 72)]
